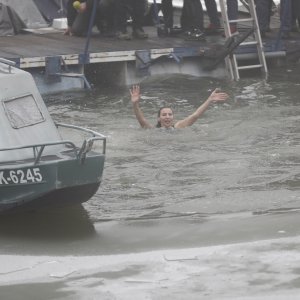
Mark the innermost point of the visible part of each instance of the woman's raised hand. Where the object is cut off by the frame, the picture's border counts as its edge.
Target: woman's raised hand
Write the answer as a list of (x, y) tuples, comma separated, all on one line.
[(135, 93), (217, 95)]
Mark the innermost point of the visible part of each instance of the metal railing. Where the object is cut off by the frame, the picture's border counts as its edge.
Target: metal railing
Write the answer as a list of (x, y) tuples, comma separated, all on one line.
[(79, 153)]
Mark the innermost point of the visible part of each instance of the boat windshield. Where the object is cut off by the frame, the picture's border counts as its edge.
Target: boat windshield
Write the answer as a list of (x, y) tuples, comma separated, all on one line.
[(23, 111)]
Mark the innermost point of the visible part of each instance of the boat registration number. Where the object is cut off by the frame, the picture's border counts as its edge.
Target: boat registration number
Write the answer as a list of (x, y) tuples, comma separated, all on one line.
[(21, 176)]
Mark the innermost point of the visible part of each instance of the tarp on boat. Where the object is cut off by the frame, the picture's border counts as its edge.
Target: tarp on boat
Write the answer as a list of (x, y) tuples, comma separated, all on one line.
[(52, 9), (28, 12), (36, 13), (10, 22), (24, 117)]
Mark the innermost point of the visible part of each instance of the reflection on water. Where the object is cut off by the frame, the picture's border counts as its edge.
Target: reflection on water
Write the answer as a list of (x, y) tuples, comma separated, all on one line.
[(43, 231)]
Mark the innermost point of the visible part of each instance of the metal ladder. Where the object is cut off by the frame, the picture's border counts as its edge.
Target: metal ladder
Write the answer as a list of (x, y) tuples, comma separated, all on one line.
[(231, 59)]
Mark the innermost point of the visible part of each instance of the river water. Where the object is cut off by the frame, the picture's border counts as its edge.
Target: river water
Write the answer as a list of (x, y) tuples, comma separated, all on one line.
[(241, 156), (163, 189)]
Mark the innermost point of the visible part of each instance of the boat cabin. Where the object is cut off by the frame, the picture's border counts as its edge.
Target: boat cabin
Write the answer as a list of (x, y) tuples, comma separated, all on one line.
[(24, 116)]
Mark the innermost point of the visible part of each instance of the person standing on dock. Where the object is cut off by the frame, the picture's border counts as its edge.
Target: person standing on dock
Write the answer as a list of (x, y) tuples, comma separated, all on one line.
[(214, 21), (263, 11), (192, 21), (233, 14), (165, 117), (79, 14), (136, 9)]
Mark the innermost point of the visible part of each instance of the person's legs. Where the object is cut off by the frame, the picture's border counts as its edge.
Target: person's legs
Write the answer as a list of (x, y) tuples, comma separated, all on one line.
[(192, 19), (167, 10), (138, 12), (107, 16), (192, 15), (295, 15), (81, 23), (232, 11), (212, 12), (285, 18), (262, 11), (121, 7)]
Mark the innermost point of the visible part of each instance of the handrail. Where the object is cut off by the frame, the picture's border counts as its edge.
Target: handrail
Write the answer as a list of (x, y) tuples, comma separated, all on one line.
[(8, 63), (39, 148), (96, 136), (80, 154), (95, 133), (40, 145)]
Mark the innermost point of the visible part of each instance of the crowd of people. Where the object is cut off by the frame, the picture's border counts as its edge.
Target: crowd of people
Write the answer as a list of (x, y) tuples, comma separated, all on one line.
[(112, 17)]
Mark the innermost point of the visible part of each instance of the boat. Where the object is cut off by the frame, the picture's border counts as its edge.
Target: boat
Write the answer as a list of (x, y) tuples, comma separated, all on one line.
[(38, 167)]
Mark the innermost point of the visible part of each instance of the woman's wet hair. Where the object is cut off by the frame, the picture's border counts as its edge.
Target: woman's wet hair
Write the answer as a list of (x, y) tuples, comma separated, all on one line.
[(158, 125)]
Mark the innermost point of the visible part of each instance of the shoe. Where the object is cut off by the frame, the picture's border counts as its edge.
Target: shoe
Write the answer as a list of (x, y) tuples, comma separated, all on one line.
[(194, 35), (139, 33), (233, 29), (123, 36), (212, 29)]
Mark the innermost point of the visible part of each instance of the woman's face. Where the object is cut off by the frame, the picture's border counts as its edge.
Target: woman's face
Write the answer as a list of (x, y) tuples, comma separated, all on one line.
[(166, 117)]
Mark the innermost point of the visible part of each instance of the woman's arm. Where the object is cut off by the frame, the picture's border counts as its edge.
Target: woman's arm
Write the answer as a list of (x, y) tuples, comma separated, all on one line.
[(215, 96), (135, 98)]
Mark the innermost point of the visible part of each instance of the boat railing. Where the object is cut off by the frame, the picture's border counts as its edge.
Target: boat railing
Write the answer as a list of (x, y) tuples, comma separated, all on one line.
[(88, 142), (8, 63), (38, 149), (80, 153)]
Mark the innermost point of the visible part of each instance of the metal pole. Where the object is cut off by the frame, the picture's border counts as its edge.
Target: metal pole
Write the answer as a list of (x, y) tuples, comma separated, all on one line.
[(91, 24)]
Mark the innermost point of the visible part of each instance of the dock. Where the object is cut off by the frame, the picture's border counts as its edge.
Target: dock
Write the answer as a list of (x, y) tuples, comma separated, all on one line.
[(59, 62)]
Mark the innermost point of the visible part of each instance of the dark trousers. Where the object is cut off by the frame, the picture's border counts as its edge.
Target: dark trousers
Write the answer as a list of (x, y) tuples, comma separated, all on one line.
[(286, 15), (232, 9), (192, 15), (134, 8), (295, 12), (263, 13), (211, 7), (167, 10), (212, 12)]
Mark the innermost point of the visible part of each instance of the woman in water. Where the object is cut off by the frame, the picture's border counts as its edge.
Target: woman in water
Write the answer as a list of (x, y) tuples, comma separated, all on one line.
[(165, 114)]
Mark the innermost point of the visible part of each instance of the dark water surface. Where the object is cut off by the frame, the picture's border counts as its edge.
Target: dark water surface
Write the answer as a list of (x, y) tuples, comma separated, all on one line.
[(240, 159)]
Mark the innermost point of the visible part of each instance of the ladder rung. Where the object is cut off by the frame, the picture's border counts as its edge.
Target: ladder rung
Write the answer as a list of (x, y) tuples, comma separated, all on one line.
[(250, 67), (241, 20), (248, 43)]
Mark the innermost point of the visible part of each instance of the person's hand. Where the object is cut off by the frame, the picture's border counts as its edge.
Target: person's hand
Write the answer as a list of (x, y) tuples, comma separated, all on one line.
[(135, 93), (217, 96)]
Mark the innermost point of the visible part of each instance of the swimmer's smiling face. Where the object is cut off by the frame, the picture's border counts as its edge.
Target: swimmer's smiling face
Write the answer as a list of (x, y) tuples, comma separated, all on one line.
[(166, 117)]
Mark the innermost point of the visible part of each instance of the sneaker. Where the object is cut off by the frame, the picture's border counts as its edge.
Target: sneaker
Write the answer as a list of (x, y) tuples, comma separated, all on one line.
[(123, 36), (195, 35), (139, 33)]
